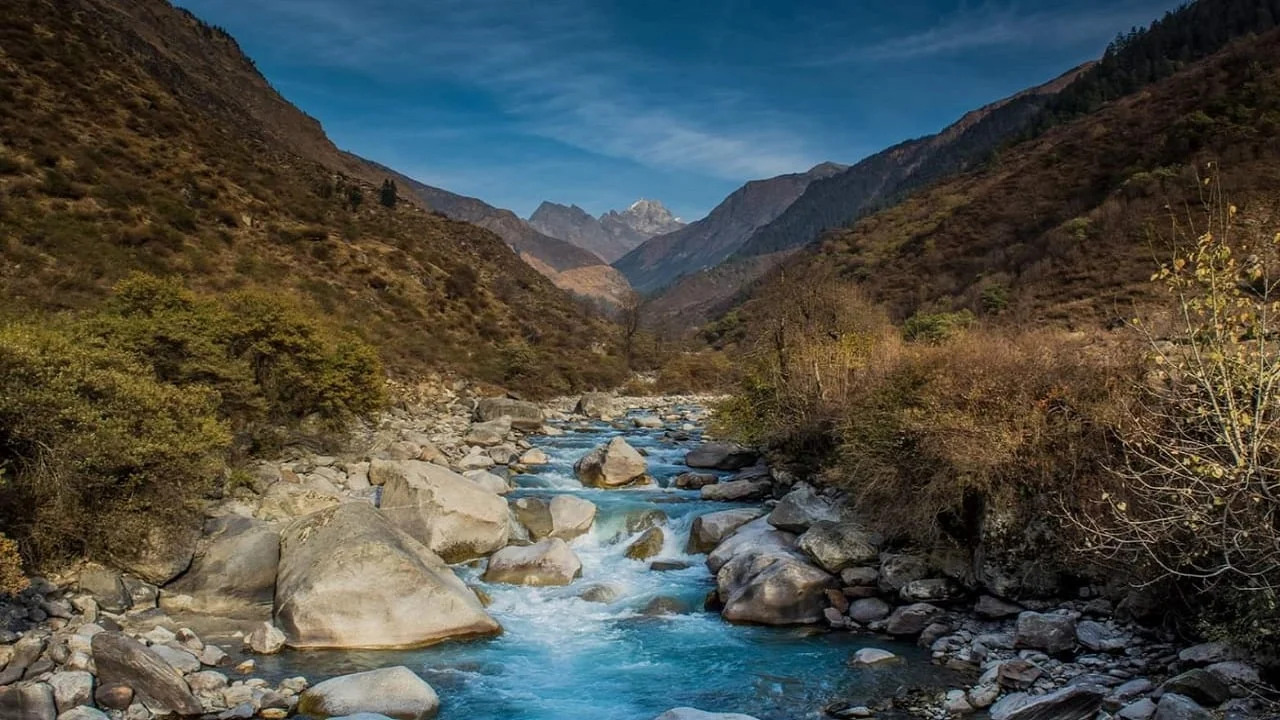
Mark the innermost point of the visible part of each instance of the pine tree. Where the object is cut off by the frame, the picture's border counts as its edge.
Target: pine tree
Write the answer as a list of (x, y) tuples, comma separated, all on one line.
[(389, 194)]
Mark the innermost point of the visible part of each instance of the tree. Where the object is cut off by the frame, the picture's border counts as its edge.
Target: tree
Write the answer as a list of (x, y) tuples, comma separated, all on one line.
[(630, 315), (388, 195), (355, 196)]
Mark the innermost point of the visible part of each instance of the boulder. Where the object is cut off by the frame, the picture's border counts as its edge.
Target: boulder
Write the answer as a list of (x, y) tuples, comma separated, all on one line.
[(488, 434), (120, 659), (162, 553), (647, 545), (71, 689), (234, 571), (868, 657), (911, 620), (395, 692), (869, 610), (720, 456), (564, 516), (694, 480), (737, 490), (1200, 685), (113, 696), (599, 406), (266, 639), (835, 546), (546, 562), (599, 593), (106, 587), (1073, 702), (1173, 706), (995, 609), (488, 481), (448, 513), (285, 501), (181, 660), (1206, 653), (686, 713), (1054, 634), (1143, 709), (801, 508), (900, 569), (349, 578), (772, 588), (709, 530), (524, 415), (647, 422), (1099, 638), (931, 590), (534, 456), (27, 702), (613, 465), (754, 536)]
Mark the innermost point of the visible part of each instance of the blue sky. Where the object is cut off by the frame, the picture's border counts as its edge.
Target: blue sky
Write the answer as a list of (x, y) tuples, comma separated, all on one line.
[(600, 103)]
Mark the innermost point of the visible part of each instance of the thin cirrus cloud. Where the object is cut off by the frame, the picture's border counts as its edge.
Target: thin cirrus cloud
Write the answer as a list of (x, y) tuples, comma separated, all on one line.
[(1002, 25), (553, 68)]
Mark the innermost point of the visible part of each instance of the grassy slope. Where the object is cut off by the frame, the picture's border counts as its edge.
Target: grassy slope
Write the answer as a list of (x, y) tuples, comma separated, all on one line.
[(1072, 221), (131, 142)]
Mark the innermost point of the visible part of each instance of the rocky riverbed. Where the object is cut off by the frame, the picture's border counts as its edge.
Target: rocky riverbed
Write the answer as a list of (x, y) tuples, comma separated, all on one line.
[(488, 557)]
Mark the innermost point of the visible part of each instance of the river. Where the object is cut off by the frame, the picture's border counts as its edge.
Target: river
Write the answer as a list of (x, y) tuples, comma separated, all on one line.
[(563, 658)]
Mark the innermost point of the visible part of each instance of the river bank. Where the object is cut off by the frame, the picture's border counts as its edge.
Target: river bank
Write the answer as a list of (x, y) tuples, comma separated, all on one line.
[(612, 598)]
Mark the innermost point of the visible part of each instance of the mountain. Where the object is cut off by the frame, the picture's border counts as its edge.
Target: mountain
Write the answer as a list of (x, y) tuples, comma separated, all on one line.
[(705, 243), (610, 236), (1066, 227), (886, 176), (136, 137)]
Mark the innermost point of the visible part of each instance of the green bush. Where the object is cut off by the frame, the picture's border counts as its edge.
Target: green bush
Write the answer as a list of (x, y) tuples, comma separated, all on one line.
[(96, 449), (935, 327)]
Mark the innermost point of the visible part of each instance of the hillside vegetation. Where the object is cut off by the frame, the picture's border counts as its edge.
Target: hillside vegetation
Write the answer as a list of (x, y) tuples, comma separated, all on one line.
[(137, 138)]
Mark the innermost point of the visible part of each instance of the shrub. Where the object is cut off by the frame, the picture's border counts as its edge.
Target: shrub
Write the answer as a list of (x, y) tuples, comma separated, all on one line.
[(12, 579), (693, 372), (1196, 502), (935, 327), (97, 449)]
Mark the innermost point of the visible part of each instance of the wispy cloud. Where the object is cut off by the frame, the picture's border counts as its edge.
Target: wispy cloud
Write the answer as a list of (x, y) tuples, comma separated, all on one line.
[(993, 25), (554, 68)]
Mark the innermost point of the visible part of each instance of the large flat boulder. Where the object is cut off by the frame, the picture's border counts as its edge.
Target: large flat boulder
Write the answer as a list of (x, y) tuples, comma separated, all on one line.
[(523, 415), (613, 465), (721, 456), (119, 659), (546, 562), (350, 579), (711, 529), (453, 516), (394, 692), (234, 571)]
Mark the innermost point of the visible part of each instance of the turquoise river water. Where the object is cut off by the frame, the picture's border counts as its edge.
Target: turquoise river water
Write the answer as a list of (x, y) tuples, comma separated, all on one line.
[(563, 658)]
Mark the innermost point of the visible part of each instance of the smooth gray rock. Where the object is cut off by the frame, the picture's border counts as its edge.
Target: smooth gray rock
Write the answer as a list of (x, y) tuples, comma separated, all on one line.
[(348, 578), (869, 610), (266, 639), (448, 513), (120, 659), (911, 620), (181, 660), (546, 562), (737, 490), (1200, 685), (1143, 709), (1054, 634), (720, 456), (598, 406), (564, 516), (233, 573), (995, 608), (106, 587), (613, 465), (395, 692), (1099, 638)]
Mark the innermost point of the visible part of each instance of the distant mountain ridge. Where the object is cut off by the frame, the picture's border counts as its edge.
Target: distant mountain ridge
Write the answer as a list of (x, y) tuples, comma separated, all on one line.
[(610, 236), (707, 242)]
